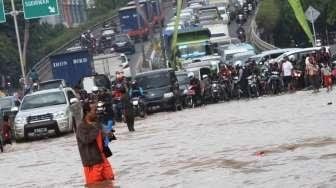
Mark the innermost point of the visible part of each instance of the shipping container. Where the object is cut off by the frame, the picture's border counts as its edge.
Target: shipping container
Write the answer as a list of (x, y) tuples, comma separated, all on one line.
[(71, 66), (147, 8), (128, 17)]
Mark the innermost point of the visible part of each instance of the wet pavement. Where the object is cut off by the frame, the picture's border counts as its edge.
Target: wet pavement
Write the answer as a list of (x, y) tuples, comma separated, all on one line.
[(279, 141)]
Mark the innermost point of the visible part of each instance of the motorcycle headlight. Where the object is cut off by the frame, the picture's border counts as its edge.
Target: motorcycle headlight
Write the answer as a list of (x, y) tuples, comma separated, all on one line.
[(136, 102), (20, 120), (59, 115), (214, 85), (168, 95), (185, 91)]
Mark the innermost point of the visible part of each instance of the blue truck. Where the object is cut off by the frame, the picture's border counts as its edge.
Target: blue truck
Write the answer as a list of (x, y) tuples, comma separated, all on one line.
[(129, 22), (72, 66)]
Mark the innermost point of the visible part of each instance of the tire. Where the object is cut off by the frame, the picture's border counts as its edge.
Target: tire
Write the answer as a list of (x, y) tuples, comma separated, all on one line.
[(58, 132), (74, 125)]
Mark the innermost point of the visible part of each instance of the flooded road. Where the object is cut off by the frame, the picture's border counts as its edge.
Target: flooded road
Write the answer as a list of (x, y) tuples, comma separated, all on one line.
[(282, 141)]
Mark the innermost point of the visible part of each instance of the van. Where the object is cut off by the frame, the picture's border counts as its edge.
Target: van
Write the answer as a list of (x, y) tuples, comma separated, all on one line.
[(270, 54), (161, 89)]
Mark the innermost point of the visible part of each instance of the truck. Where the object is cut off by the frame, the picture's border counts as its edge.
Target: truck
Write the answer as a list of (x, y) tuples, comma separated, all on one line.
[(71, 66), (128, 17), (109, 64), (147, 8), (219, 32)]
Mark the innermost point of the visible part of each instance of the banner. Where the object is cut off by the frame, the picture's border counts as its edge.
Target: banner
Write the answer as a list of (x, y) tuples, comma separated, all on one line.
[(300, 16)]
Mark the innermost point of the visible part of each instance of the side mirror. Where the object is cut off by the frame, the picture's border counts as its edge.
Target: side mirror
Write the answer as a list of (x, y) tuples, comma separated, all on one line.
[(74, 100), (15, 109)]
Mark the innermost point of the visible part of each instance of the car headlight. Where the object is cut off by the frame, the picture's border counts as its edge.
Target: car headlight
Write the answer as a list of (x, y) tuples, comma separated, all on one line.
[(168, 95), (59, 115), (20, 120)]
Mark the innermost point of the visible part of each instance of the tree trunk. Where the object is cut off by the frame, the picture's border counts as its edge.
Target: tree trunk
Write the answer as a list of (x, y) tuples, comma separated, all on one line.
[(25, 42)]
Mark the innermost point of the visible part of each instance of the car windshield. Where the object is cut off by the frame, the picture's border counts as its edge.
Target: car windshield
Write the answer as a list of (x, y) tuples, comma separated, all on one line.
[(50, 85), (43, 100), (121, 38), (182, 79), (101, 81), (5, 103), (155, 80)]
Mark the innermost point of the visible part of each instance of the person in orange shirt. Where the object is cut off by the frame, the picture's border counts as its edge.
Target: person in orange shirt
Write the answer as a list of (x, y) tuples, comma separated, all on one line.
[(89, 136)]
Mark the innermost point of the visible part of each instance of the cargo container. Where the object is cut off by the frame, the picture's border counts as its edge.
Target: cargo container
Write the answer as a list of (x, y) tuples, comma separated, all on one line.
[(129, 22), (71, 66), (147, 8)]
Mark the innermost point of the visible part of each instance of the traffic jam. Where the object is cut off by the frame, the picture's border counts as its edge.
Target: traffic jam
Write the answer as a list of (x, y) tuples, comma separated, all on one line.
[(209, 65)]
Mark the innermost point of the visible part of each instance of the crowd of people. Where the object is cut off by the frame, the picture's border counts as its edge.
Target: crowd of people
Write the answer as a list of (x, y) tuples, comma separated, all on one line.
[(250, 79)]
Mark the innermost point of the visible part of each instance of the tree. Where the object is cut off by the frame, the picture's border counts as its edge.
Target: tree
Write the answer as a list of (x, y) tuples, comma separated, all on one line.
[(268, 17)]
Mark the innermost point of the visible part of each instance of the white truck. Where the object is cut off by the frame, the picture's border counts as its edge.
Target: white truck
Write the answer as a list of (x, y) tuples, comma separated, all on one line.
[(109, 64), (219, 33)]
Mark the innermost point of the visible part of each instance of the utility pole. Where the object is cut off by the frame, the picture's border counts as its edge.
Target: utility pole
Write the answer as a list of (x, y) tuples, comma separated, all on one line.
[(14, 13)]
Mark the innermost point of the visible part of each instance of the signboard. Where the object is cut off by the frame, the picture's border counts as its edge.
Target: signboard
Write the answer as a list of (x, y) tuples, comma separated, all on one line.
[(39, 8), (2, 12), (312, 14)]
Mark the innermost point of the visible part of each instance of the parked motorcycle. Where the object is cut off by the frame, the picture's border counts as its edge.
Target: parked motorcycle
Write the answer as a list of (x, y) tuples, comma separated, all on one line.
[(139, 107), (274, 83), (252, 89), (236, 91), (191, 99), (216, 92)]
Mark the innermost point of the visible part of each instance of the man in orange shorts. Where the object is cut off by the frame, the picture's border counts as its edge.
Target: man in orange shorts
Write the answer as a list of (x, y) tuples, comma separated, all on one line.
[(327, 76), (90, 144)]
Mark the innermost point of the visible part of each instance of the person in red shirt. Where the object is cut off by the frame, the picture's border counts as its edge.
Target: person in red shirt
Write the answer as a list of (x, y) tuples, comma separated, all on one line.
[(97, 168), (6, 130)]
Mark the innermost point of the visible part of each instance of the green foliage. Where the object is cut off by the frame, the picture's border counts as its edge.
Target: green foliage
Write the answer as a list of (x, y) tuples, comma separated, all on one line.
[(277, 17), (268, 15)]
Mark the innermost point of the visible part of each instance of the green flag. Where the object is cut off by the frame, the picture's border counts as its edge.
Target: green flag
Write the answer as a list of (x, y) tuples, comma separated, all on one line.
[(300, 16)]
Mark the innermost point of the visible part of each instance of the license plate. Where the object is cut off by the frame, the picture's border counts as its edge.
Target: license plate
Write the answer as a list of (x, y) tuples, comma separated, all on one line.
[(40, 131)]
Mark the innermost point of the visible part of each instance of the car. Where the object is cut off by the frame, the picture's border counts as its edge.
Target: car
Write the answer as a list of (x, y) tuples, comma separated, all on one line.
[(8, 106), (45, 112), (123, 44), (51, 84), (265, 56), (160, 89), (299, 55)]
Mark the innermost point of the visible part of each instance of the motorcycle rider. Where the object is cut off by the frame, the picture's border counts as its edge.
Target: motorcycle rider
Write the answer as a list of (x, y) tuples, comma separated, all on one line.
[(205, 87), (241, 33), (128, 113), (240, 74), (193, 81), (135, 90)]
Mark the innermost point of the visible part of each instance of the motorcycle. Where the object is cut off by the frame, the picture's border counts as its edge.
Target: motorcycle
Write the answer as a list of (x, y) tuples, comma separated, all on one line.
[(236, 91), (190, 99), (241, 36), (139, 107), (216, 93), (297, 75), (274, 83), (252, 89), (226, 85)]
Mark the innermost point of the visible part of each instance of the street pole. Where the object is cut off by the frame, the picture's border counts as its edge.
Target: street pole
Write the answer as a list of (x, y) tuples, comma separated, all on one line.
[(313, 24), (14, 13), (139, 24)]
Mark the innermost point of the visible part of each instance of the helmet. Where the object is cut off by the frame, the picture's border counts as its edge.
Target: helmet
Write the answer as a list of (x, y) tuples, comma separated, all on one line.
[(205, 76), (191, 75), (238, 63), (95, 89), (292, 58)]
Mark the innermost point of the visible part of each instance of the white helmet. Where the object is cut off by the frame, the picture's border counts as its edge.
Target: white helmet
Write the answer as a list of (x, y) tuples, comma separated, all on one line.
[(191, 74), (292, 58), (238, 63), (205, 76), (95, 89)]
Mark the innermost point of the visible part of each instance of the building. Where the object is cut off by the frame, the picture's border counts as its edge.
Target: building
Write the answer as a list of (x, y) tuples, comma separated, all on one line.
[(72, 13)]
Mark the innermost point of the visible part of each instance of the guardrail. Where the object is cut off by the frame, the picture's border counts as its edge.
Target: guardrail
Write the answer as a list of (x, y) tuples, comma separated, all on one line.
[(43, 66), (254, 37)]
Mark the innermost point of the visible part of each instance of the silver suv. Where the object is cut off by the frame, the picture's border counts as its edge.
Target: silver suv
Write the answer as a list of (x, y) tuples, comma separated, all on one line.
[(49, 111)]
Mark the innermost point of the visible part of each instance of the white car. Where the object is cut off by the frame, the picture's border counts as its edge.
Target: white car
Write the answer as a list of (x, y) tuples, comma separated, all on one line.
[(49, 111)]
